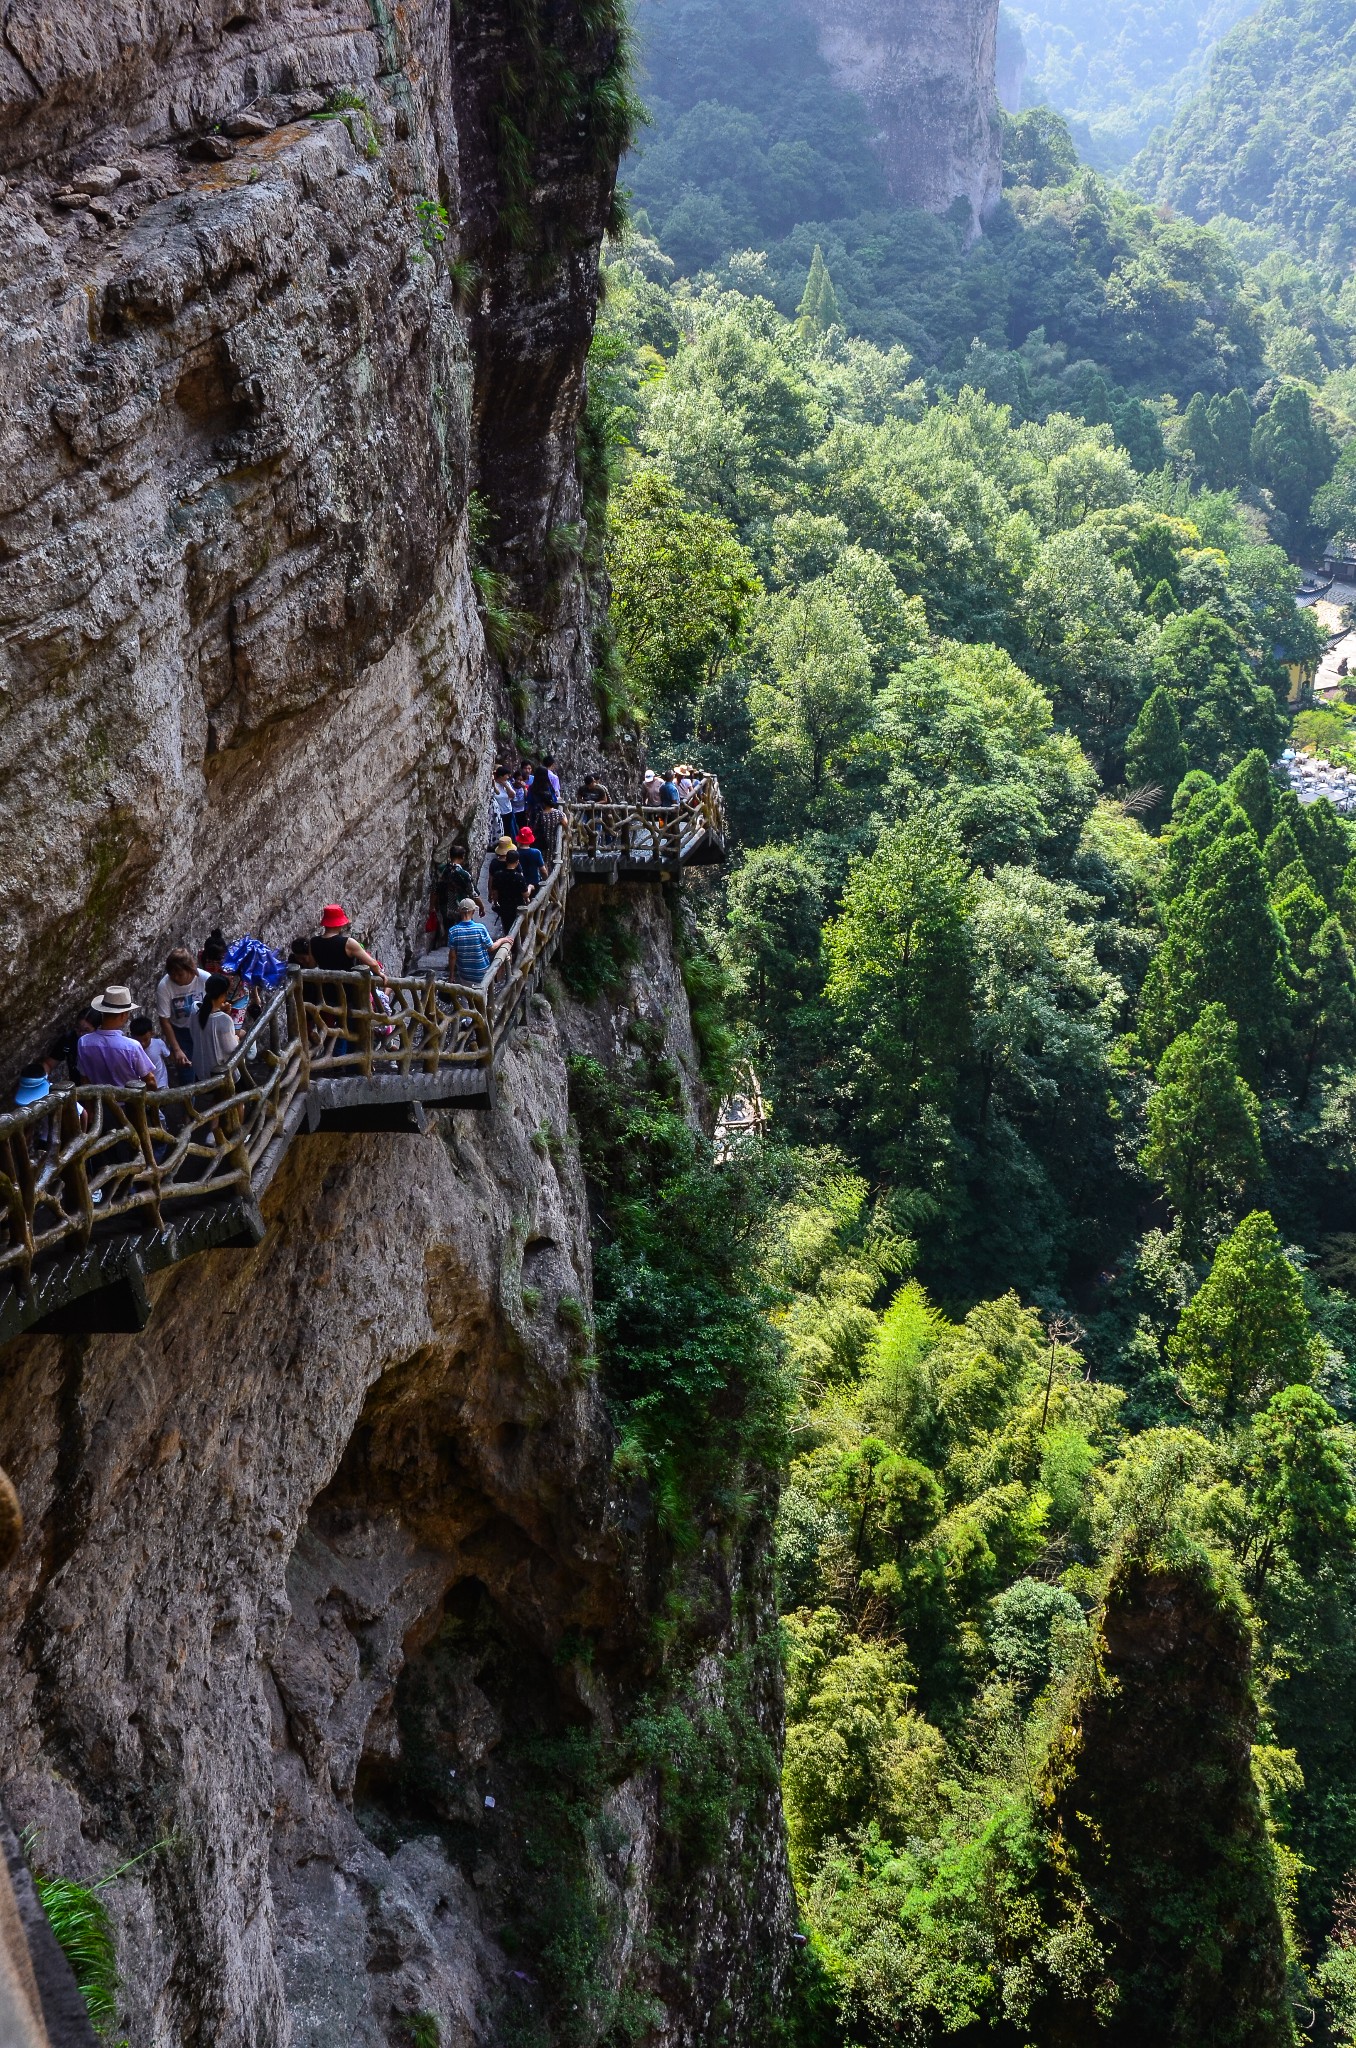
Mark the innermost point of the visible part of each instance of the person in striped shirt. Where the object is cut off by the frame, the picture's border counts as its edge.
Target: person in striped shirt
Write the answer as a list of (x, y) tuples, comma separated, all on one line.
[(470, 948)]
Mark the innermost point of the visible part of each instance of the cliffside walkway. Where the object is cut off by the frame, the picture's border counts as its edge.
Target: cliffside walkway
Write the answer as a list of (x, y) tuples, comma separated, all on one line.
[(101, 1186)]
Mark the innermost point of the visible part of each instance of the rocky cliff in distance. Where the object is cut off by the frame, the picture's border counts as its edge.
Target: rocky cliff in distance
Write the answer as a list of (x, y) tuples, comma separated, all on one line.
[(330, 1586), (927, 70)]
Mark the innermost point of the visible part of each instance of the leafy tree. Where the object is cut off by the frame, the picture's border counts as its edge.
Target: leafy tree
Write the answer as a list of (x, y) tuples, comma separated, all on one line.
[(855, 1746), (1246, 1334), (1138, 431), (1293, 453), (1325, 844), (1038, 149), (775, 906), (817, 700), (1028, 1620), (1044, 1007), (1282, 850), (1155, 757), (890, 1501), (1203, 1140), (899, 958), (682, 589), (1301, 1490), (1334, 506)]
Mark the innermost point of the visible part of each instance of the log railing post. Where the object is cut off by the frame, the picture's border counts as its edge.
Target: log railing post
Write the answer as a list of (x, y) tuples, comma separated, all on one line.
[(75, 1172), (296, 1005), (365, 1019)]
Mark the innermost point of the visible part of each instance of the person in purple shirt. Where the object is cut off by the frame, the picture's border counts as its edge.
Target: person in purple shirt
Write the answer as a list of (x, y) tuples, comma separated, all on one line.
[(107, 1056)]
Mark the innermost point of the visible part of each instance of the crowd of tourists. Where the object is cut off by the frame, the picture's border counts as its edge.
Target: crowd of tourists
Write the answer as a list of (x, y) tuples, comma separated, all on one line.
[(526, 822), (202, 1004)]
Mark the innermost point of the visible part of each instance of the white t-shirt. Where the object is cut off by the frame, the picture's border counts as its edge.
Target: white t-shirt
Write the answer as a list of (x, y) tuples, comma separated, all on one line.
[(159, 1053), (175, 1005), (214, 1040)]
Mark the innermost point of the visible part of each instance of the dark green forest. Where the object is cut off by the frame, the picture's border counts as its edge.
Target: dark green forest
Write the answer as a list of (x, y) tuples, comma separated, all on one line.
[(1117, 72), (972, 574), (1271, 140)]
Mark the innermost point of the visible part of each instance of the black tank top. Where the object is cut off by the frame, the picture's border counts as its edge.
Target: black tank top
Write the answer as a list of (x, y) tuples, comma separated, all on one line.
[(330, 949)]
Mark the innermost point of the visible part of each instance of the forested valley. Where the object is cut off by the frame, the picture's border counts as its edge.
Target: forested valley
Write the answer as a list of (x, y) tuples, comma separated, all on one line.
[(970, 566)]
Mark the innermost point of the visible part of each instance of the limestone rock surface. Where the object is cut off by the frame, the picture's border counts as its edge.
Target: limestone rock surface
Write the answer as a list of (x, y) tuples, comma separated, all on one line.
[(927, 70)]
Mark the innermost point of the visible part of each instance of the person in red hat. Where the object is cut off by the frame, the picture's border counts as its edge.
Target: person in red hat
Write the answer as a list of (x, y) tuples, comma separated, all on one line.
[(334, 945), (530, 859)]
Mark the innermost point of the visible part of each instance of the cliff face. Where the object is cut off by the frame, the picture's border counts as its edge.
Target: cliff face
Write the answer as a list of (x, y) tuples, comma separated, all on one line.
[(241, 392), (330, 1586), (927, 71)]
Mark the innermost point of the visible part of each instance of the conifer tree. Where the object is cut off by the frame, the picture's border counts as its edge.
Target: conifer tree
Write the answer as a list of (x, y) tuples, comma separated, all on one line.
[(1252, 789), (1325, 844), (1199, 443), (1203, 1144), (1293, 453), (1231, 420), (1223, 945), (818, 309), (1320, 979), (1096, 407), (1210, 813), (1139, 433), (1246, 1334), (1282, 850), (1155, 756)]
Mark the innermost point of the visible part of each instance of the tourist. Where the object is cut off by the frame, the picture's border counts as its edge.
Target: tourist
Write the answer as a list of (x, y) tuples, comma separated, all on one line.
[(143, 1030), (31, 1088), (501, 803), (299, 953), (451, 882), (512, 890), (33, 1085), (335, 948), (529, 857), (548, 762), (520, 782), (542, 797), (177, 994), (669, 793), (215, 1039), (592, 791), (495, 872), (107, 1056), (650, 789), (470, 948), (213, 952)]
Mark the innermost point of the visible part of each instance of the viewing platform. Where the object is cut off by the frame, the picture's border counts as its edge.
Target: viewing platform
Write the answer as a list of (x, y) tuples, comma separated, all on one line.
[(101, 1186)]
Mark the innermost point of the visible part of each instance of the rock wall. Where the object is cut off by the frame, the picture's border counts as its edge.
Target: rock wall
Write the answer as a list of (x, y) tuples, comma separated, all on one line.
[(927, 71), (250, 377), (330, 1588)]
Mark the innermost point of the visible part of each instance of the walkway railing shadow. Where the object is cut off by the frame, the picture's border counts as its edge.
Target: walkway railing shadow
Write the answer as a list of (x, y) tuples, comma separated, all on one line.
[(100, 1185)]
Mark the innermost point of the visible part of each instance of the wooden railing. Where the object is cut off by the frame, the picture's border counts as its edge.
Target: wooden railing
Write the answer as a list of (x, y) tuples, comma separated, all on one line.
[(649, 835), (86, 1158), (87, 1162)]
